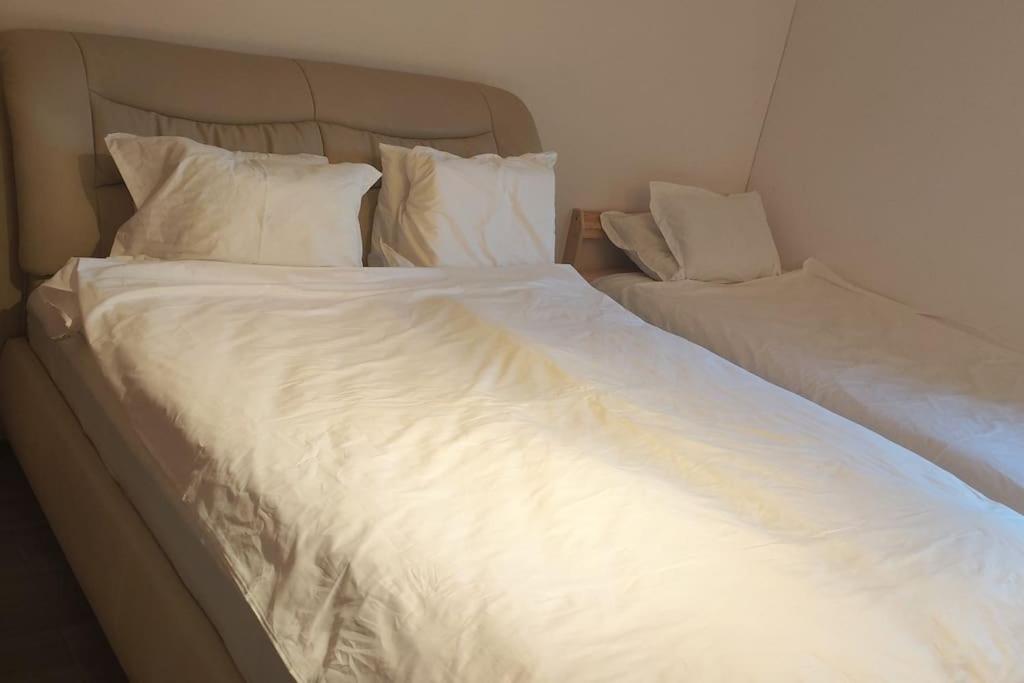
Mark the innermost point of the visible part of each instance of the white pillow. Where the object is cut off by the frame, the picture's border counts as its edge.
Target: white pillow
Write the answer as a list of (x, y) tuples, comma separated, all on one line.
[(717, 238), (482, 211), (252, 210), (393, 190), (146, 162), (637, 234)]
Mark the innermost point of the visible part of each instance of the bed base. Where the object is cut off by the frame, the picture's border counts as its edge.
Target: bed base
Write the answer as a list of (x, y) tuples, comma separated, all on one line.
[(153, 623)]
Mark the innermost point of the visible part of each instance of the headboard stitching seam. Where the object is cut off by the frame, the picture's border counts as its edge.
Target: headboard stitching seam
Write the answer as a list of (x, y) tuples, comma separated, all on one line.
[(490, 116), (312, 99), (92, 126)]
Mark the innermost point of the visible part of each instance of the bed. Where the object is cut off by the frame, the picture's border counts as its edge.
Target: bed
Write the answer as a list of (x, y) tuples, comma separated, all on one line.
[(271, 473), (944, 393), (62, 92)]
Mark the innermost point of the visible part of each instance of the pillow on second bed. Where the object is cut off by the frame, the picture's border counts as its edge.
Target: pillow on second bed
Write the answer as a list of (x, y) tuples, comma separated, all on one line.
[(486, 210), (228, 206), (717, 238), (637, 234)]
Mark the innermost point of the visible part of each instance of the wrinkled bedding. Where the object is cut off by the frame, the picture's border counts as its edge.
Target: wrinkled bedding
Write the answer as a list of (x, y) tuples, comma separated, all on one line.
[(946, 394), (431, 475)]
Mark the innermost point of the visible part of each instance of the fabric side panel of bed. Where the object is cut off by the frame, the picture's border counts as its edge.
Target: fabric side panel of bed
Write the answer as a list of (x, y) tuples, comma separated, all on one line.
[(12, 282), (154, 625)]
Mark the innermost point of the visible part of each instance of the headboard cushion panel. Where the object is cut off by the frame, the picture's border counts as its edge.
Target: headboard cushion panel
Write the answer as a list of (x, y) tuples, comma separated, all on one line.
[(63, 92), (195, 83), (47, 99), (403, 105), (511, 122)]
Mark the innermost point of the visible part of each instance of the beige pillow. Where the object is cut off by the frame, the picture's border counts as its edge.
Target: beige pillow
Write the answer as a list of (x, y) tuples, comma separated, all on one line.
[(145, 162), (393, 190), (637, 234), (718, 238), (220, 207)]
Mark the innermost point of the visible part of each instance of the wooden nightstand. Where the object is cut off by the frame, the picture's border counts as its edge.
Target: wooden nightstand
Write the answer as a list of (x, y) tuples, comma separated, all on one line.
[(589, 250)]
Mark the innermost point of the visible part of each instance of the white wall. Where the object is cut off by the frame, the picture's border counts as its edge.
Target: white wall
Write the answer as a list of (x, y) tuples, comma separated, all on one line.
[(894, 151), (624, 91)]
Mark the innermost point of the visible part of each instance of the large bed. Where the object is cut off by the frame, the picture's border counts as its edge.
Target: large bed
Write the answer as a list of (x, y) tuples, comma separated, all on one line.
[(944, 393), (270, 473)]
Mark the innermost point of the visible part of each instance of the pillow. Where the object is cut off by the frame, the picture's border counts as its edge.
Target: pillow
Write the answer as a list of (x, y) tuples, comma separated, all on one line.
[(717, 238), (482, 211), (223, 207), (393, 190), (146, 162), (637, 234)]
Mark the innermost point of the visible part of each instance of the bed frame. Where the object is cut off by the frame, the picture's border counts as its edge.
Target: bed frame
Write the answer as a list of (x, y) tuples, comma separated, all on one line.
[(61, 196), (588, 249)]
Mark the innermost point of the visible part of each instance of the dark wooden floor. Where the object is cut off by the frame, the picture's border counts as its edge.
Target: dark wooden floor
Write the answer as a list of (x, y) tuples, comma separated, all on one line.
[(47, 631)]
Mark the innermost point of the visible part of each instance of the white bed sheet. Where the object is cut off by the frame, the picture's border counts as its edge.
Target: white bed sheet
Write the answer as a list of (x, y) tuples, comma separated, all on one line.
[(502, 475), (950, 396), (72, 366)]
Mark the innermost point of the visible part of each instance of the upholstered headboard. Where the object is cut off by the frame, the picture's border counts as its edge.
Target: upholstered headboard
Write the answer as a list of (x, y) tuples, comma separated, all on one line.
[(61, 194)]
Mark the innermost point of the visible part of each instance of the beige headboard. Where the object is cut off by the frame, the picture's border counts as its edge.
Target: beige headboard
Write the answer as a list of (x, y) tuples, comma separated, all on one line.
[(61, 195)]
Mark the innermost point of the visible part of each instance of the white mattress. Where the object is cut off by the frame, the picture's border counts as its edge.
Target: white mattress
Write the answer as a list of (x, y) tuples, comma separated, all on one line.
[(428, 475), (950, 396), (72, 366)]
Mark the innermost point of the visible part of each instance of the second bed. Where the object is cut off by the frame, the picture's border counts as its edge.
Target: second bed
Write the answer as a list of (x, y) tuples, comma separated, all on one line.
[(948, 395)]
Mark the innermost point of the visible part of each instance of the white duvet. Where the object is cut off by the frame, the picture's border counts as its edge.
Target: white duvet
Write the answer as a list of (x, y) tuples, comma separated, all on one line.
[(951, 397), (501, 475)]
